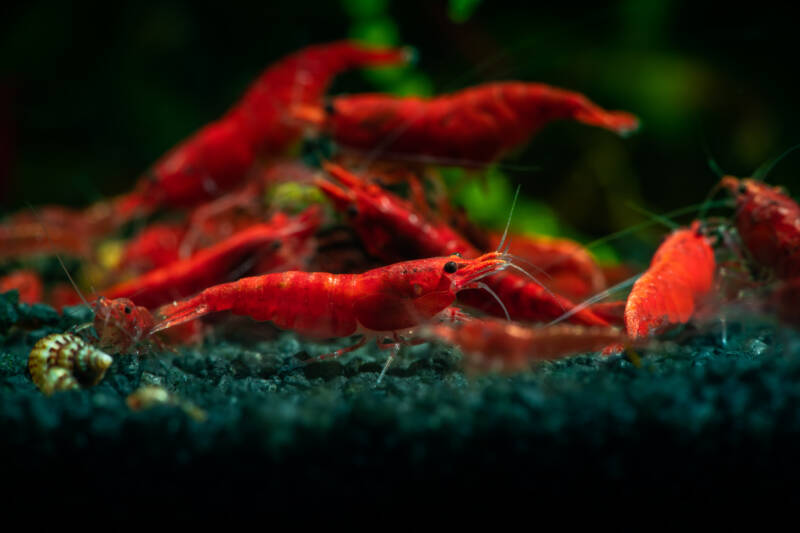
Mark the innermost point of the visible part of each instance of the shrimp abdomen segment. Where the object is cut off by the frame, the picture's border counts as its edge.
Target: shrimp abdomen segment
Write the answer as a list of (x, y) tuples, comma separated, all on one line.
[(316, 304)]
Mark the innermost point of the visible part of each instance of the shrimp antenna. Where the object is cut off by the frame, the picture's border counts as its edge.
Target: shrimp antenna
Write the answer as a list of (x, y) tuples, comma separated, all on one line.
[(58, 256), (508, 222), (538, 269), (484, 286), (661, 219), (708, 203), (714, 166), (761, 172), (536, 281), (594, 299), (710, 159), (648, 223)]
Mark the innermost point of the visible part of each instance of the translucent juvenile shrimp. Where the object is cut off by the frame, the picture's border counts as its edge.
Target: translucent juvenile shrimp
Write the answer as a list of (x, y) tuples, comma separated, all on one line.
[(499, 345)]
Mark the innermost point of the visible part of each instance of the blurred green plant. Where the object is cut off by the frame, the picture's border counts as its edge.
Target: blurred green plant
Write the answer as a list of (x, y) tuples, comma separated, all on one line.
[(372, 24), (461, 10)]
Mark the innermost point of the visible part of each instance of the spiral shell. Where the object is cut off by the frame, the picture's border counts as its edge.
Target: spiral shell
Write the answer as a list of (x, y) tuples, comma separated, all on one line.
[(63, 361)]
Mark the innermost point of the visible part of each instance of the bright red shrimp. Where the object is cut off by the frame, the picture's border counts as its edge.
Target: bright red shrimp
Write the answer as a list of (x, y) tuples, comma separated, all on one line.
[(476, 125), (680, 277), (219, 156), (154, 247), (384, 302), (212, 265), (26, 282), (388, 225), (768, 222), (391, 230), (571, 270), (499, 345)]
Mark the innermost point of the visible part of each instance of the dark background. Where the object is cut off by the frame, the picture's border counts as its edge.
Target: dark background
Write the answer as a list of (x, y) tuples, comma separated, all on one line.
[(92, 93)]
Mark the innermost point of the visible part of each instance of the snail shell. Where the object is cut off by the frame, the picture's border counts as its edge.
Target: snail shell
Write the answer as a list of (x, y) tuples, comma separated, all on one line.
[(63, 361), (151, 395)]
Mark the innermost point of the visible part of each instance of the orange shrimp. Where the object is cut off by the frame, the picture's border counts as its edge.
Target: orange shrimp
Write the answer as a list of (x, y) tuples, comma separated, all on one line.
[(211, 265), (679, 279), (392, 230), (389, 301), (492, 344), (477, 125)]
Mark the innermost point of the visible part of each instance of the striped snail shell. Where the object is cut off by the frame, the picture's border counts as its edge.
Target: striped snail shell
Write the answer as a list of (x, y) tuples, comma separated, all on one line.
[(63, 361)]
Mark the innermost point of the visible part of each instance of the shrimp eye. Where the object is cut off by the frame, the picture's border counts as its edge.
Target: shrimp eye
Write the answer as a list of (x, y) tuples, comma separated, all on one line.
[(128, 309), (275, 245), (450, 267), (329, 109), (742, 188), (352, 210)]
